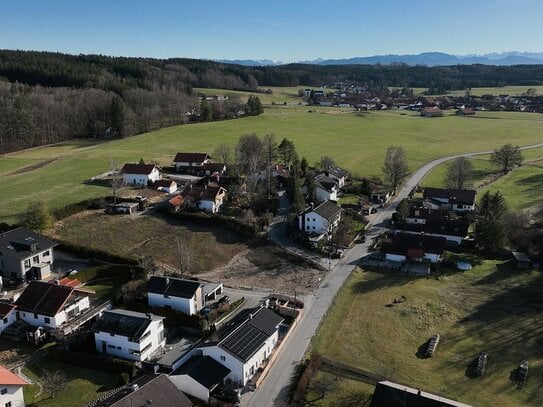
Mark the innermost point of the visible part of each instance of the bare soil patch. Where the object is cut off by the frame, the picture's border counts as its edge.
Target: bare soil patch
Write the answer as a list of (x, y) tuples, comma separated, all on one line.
[(33, 167)]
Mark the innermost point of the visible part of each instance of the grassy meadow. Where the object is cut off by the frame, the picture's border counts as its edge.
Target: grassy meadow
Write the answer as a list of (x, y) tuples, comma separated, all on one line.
[(493, 308), (280, 95), (59, 174), (496, 91), (522, 187)]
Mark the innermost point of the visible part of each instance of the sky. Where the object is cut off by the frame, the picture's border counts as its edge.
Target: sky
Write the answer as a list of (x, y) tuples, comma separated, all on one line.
[(289, 31)]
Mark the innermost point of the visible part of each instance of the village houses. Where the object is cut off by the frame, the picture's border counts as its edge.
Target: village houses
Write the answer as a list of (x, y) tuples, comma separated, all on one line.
[(181, 295), (140, 174)]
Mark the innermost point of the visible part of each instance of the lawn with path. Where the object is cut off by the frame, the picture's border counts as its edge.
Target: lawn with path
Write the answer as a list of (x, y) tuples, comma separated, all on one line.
[(357, 142), (493, 308)]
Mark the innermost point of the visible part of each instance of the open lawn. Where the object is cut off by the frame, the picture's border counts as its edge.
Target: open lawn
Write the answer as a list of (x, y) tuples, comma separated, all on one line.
[(83, 385), (503, 90), (151, 237), (522, 188), (493, 308), (356, 141), (279, 95)]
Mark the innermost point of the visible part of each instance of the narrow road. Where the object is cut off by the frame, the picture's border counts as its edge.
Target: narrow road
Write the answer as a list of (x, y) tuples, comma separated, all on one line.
[(273, 391)]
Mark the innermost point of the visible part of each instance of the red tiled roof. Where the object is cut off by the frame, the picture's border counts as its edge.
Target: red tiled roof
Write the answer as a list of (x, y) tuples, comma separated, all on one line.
[(190, 157), (176, 201), (9, 378), (67, 282), (144, 169), (431, 110), (5, 309)]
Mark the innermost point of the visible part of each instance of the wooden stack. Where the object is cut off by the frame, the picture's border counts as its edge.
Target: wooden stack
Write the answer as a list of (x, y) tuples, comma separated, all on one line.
[(434, 341)]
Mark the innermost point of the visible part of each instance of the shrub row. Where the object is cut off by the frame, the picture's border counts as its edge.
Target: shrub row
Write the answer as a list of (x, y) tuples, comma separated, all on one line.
[(309, 370), (87, 204), (96, 362), (214, 220), (120, 272), (89, 253)]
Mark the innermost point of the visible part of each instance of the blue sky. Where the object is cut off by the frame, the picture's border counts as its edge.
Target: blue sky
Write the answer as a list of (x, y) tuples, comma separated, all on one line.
[(283, 30)]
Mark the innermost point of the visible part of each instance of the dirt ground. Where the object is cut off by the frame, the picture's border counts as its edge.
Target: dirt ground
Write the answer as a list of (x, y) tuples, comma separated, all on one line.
[(270, 268)]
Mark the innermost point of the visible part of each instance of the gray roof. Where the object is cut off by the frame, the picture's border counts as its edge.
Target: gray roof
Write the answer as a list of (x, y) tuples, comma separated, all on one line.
[(125, 323), (248, 337), (453, 196), (205, 370), (337, 172), (328, 210), (21, 243), (325, 182)]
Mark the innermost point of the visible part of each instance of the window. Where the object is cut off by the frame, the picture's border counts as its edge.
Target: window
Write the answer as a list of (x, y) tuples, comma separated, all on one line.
[(111, 334), (166, 296), (111, 346), (47, 320), (313, 227), (35, 315), (4, 390), (36, 259), (27, 263), (5, 320), (119, 348), (307, 227), (8, 404), (46, 253), (314, 220), (223, 358), (308, 219)]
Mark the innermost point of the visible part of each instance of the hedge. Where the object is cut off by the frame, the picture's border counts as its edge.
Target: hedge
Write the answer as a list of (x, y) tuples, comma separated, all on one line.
[(95, 362), (213, 220), (121, 272), (89, 253), (87, 204)]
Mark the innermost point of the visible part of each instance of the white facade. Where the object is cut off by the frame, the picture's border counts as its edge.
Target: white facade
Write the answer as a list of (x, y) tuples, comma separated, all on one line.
[(189, 386), (9, 319), (141, 179), (185, 165), (312, 222), (11, 396), (432, 257), (242, 372), (449, 238), (72, 309), (189, 306), (136, 349), (325, 195), (42, 261)]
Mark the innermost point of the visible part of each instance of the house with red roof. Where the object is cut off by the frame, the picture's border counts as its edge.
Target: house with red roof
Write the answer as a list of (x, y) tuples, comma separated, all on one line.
[(204, 195), (11, 389), (140, 174), (431, 112)]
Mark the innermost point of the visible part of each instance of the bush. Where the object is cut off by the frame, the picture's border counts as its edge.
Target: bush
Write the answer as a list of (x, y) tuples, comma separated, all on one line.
[(88, 253), (87, 204), (96, 362), (124, 379), (122, 273), (309, 371)]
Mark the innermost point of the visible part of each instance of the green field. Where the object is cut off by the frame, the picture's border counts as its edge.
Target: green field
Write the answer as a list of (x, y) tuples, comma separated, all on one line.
[(356, 141), (522, 188), (280, 95), (493, 308), (496, 91)]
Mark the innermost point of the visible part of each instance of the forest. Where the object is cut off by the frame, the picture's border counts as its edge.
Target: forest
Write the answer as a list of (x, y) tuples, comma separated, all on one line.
[(49, 97)]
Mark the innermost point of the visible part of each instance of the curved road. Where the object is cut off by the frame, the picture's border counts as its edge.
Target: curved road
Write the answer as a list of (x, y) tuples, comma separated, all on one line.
[(273, 390)]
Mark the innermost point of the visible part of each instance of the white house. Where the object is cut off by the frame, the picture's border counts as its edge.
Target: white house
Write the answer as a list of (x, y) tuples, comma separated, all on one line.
[(166, 185), (338, 174), (326, 188), (412, 247), (214, 168), (207, 197), (129, 335), (11, 389), (174, 293), (323, 219), (51, 305), (190, 162), (460, 200), (246, 344), (8, 315), (25, 255), (199, 377), (140, 174)]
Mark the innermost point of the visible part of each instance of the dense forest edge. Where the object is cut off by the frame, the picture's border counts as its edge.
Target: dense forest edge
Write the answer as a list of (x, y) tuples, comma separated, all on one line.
[(50, 97)]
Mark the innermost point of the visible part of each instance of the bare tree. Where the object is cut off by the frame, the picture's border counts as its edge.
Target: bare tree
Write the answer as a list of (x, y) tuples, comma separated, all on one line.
[(183, 254), (326, 162), (53, 382), (507, 157), (321, 387), (116, 178), (458, 173), (223, 154), (395, 170), (270, 154)]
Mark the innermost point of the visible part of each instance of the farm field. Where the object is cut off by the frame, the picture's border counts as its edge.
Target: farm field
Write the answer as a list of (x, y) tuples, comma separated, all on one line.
[(60, 174), (493, 308), (522, 188), (496, 91)]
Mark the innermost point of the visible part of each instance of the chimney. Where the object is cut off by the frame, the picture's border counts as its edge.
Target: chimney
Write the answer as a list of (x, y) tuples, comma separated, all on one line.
[(135, 387), (250, 316)]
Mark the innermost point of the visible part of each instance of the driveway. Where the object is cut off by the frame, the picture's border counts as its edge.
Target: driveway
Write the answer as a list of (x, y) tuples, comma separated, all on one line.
[(274, 389)]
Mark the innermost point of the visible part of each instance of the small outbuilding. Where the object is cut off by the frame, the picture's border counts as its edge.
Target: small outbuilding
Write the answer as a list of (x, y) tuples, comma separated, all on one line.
[(522, 260)]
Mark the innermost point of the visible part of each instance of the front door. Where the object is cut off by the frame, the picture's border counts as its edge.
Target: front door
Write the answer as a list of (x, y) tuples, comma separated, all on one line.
[(104, 347)]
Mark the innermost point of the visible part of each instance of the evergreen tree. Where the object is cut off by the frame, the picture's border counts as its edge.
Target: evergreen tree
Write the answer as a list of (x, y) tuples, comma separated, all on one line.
[(287, 152), (205, 110), (304, 165), (297, 202), (402, 210), (490, 231), (311, 189)]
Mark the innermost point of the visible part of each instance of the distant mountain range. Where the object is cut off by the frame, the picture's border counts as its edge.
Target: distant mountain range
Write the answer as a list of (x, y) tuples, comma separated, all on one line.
[(425, 58)]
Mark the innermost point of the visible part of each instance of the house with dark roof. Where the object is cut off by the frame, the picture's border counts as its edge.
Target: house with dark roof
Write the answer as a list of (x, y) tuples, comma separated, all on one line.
[(420, 215), (389, 394), (459, 200), (186, 296), (245, 344), (166, 185), (414, 247), (154, 390), (190, 162), (320, 220), (129, 335), (453, 230), (326, 188), (25, 255), (11, 389), (140, 174), (214, 168), (51, 305), (338, 174), (8, 315), (199, 377)]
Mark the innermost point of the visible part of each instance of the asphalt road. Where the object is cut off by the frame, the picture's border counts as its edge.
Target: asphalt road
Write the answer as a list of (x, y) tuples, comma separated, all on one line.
[(274, 388)]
